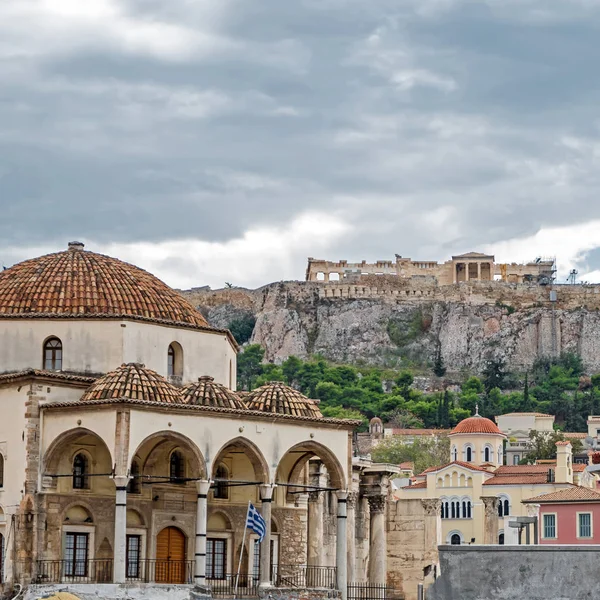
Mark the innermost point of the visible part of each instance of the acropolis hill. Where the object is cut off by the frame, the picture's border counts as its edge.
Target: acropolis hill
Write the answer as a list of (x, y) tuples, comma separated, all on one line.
[(377, 318)]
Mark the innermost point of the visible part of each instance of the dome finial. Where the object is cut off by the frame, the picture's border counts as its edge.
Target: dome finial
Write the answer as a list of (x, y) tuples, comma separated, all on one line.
[(477, 410)]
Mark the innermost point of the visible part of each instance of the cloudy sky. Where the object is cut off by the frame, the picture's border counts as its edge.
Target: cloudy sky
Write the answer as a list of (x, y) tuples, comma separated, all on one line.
[(228, 140)]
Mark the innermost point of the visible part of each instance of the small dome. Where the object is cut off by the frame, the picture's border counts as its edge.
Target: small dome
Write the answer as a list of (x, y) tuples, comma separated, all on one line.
[(77, 283), (205, 392), (276, 397), (134, 382), (476, 424)]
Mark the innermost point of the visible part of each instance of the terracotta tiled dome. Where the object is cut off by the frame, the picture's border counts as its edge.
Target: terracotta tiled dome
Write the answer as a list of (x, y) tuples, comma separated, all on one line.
[(276, 397), (476, 424), (84, 284), (134, 382), (205, 392)]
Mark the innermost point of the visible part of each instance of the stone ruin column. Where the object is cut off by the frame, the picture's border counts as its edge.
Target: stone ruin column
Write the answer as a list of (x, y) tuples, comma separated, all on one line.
[(378, 547), (351, 509), (490, 519)]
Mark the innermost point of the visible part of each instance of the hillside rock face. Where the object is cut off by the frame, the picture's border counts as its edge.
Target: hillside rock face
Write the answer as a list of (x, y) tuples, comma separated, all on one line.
[(379, 324)]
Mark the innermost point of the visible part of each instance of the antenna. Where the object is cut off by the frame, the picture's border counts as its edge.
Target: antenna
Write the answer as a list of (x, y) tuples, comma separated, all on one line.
[(572, 278)]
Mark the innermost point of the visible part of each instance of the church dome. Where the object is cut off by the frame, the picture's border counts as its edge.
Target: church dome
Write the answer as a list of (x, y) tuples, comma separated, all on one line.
[(276, 397), (476, 424), (133, 382), (82, 284), (205, 392)]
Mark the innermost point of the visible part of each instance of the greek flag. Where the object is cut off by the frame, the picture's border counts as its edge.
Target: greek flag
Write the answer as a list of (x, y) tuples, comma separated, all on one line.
[(255, 522)]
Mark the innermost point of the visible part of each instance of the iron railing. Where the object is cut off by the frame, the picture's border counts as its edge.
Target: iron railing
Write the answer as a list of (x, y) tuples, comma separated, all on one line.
[(75, 571), (371, 591), (304, 576), (160, 571), (247, 586)]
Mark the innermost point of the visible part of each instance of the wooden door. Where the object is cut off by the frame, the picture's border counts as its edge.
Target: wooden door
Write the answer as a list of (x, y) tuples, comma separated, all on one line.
[(170, 556)]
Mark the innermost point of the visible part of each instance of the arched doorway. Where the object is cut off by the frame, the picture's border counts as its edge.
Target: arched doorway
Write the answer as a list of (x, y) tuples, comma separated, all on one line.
[(501, 539), (455, 540), (170, 556)]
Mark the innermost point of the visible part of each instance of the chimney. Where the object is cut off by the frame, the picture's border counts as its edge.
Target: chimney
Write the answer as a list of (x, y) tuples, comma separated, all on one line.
[(564, 462)]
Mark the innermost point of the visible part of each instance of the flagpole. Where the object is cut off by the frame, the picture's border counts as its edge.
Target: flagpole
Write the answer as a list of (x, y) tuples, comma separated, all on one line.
[(237, 577)]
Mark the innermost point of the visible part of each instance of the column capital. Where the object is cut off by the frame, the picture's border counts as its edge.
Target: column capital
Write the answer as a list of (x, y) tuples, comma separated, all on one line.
[(266, 491), (377, 503), (431, 506), (203, 486), (490, 504), (342, 495), (352, 499), (121, 481)]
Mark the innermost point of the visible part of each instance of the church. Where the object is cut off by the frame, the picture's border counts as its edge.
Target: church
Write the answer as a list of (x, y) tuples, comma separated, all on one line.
[(127, 456)]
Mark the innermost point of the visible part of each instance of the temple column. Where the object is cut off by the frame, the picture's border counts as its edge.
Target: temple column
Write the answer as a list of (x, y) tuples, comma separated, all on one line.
[(120, 545), (490, 519), (202, 488), (315, 529), (266, 496), (341, 554), (351, 504), (377, 548), (478, 271)]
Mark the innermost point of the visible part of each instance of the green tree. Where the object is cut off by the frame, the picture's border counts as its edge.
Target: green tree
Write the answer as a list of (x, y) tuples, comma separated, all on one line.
[(291, 370), (404, 419), (439, 370), (269, 372), (249, 366), (242, 328), (338, 412), (542, 446), (425, 453), (493, 374)]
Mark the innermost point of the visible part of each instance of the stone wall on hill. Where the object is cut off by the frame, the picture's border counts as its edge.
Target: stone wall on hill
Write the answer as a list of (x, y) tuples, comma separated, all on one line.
[(385, 318)]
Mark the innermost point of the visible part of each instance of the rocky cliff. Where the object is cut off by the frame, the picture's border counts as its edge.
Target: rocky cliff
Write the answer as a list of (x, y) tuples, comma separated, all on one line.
[(381, 320)]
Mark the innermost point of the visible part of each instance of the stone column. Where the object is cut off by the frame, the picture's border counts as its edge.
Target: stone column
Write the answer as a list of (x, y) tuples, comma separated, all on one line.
[(490, 519), (341, 543), (351, 504), (266, 496), (202, 488), (377, 548), (432, 526), (315, 529), (533, 510), (120, 545)]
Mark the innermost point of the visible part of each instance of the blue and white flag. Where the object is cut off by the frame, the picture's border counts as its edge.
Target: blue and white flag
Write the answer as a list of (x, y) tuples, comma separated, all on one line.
[(255, 522)]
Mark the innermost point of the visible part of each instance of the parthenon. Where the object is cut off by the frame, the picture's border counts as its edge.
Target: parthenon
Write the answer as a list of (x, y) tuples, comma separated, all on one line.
[(472, 266)]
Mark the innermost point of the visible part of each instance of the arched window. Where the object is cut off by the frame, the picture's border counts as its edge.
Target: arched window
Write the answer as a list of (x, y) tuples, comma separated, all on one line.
[(135, 483), (501, 539), (469, 510), (175, 360), (454, 453), (53, 354), (176, 468), (487, 454), (503, 506), (80, 472), (221, 487), (455, 539), (469, 454), (1, 471)]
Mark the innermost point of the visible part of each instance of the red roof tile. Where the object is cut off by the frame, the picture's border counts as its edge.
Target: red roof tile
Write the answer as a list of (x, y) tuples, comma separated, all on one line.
[(416, 486), (572, 494), (133, 381), (77, 283), (523, 469), (476, 424), (276, 397), (206, 392)]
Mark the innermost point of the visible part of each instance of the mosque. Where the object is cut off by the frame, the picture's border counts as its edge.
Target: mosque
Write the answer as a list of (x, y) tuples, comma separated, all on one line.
[(127, 456)]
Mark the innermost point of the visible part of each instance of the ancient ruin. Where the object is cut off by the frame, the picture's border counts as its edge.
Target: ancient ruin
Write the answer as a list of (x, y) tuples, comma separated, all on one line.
[(472, 266)]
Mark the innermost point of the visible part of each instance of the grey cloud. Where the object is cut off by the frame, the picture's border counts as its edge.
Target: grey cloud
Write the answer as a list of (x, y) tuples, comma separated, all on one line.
[(386, 113)]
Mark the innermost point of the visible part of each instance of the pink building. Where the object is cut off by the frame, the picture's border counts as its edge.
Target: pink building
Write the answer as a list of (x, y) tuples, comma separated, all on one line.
[(569, 516)]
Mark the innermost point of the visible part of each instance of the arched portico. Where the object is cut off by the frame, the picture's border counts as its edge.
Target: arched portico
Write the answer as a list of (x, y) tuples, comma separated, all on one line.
[(242, 458)]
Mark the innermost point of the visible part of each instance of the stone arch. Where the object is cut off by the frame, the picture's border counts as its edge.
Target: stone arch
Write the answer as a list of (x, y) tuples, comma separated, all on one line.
[(135, 518), (53, 453), (71, 509), (214, 516), (253, 453), (440, 482), (329, 459), (164, 439), (452, 534)]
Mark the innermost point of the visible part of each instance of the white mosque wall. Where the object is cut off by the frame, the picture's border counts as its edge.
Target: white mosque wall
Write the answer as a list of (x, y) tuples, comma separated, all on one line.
[(204, 353), (91, 346)]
